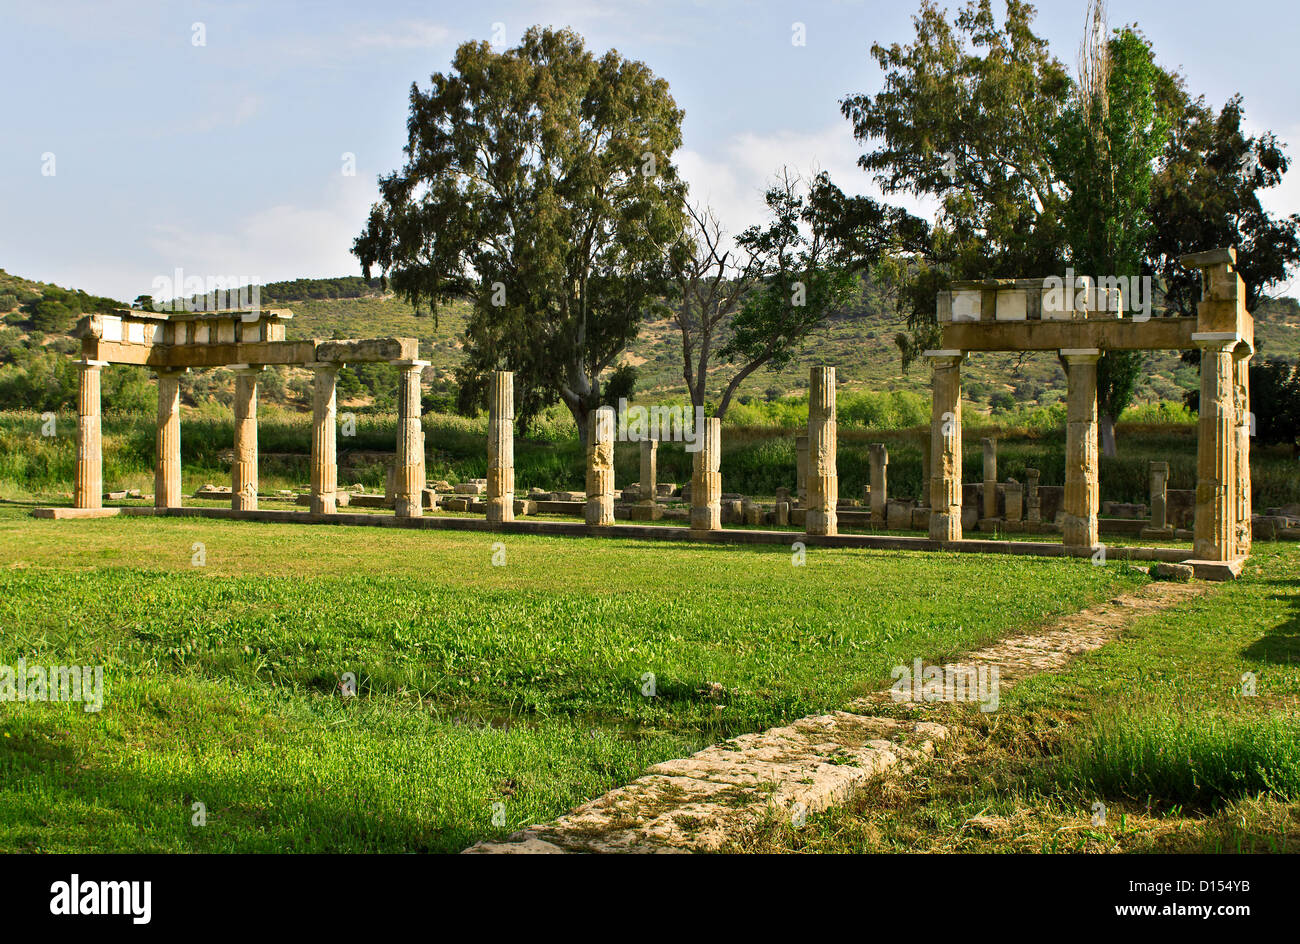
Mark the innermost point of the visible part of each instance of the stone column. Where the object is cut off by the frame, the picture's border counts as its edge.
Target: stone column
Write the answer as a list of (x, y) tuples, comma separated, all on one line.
[(167, 452), (1159, 496), (324, 441), (801, 475), (945, 445), (408, 465), (1216, 479), (706, 479), (990, 477), (924, 497), (1033, 508), (1082, 489), (243, 471), (649, 470), (1015, 502), (599, 510), (501, 448), (879, 483), (1245, 429), (88, 483), (823, 483)]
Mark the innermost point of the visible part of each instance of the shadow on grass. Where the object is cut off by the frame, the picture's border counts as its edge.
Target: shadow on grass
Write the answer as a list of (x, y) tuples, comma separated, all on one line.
[(1281, 644)]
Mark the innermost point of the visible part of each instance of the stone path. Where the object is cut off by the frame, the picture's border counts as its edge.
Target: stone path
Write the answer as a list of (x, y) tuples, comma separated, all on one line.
[(697, 803)]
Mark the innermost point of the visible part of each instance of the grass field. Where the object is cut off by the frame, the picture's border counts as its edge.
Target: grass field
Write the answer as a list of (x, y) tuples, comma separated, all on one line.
[(520, 685), (1157, 728)]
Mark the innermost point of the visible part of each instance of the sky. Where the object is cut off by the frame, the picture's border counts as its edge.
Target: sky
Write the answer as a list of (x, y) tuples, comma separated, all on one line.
[(227, 157)]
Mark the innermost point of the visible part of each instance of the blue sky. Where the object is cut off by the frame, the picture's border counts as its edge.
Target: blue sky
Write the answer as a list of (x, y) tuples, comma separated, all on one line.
[(226, 158)]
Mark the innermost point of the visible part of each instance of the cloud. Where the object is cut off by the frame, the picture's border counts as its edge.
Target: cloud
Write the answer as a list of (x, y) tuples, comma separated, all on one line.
[(274, 243), (734, 178), (413, 34)]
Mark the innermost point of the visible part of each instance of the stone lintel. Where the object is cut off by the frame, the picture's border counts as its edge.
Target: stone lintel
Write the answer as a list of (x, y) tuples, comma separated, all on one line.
[(1127, 334), (1209, 257), (368, 350)]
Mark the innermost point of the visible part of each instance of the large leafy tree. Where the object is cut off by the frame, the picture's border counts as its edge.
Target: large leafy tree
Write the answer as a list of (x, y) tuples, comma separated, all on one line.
[(538, 186), (986, 120), (1106, 150)]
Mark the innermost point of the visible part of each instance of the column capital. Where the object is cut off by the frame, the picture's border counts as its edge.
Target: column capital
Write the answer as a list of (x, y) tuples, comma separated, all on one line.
[(410, 363), (88, 362), (248, 369), (325, 365), (944, 358), (169, 371), (1081, 355), (1220, 341)]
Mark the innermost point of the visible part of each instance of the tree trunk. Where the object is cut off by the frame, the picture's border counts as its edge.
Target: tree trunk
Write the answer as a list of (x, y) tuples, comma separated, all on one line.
[(1106, 428)]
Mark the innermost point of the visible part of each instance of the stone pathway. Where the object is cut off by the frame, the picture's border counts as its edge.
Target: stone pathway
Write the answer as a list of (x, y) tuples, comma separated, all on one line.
[(697, 803)]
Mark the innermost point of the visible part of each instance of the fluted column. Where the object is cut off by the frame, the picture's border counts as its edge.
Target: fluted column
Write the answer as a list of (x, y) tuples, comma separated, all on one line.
[(408, 466), (945, 445), (1214, 529), (1082, 488), (324, 439), (706, 479), (243, 471), (167, 455), (501, 448), (823, 483), (599, 510), (1241, 404), (88, 482), (879, 457)]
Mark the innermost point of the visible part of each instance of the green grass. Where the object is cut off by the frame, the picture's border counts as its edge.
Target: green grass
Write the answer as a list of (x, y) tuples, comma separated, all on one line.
[(520, 685), (1155, 726)]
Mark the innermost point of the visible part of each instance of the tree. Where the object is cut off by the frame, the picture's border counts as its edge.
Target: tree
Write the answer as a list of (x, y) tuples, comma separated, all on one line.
[(539, 186), (1108, 144)]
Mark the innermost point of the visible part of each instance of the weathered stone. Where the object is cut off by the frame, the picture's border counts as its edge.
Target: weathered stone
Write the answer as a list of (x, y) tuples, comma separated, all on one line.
[(408, 463), (599, 511), (947, 517), (1082, 489), (879, 458), (706, 479), (823, 482), (501, 448), (781, 513), (167, 460), (243, 471), (1170, 571), (648, 485), (324, 442), (990, 477), (1014, 498)]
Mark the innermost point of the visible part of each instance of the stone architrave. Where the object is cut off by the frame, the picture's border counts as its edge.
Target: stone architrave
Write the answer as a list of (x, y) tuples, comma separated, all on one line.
[(1082, 490), (945, 445), (599, 510), (823, 483), (501, 448)]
